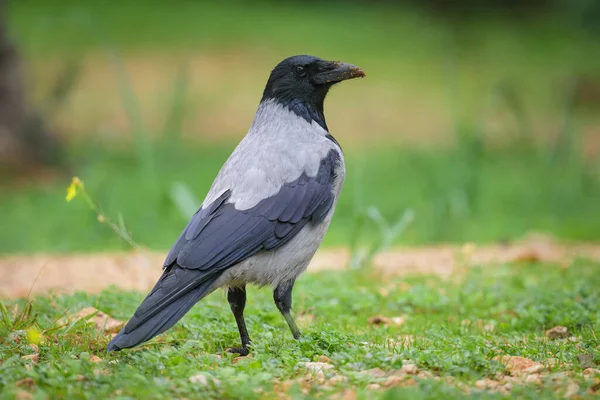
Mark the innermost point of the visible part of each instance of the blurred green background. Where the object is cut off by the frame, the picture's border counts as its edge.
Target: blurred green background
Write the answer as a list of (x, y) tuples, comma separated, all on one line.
[(478, 121)]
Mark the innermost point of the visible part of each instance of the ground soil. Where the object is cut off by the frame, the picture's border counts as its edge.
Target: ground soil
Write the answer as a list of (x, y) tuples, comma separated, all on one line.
[(220, 99), (41, 274)]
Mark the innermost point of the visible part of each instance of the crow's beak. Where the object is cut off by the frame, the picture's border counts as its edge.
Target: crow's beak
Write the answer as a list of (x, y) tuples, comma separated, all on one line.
[(336, 72)]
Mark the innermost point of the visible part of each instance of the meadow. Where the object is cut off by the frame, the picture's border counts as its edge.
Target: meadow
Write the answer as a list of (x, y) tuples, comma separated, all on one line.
[(365, 336), (464, 131)]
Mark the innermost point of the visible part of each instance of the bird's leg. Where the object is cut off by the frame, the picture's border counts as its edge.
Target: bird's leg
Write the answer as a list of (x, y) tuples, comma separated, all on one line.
[(237, 301), (283, 300)]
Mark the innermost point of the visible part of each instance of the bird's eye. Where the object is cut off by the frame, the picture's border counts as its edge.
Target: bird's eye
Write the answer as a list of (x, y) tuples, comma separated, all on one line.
[(301, 71)]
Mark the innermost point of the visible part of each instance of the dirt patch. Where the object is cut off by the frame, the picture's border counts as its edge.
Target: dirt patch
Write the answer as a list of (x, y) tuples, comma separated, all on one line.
[(73, 272), (39, 274), (223, 89)]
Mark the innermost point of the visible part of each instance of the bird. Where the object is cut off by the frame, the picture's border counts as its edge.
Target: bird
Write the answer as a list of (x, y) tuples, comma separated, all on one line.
[(266, 213)]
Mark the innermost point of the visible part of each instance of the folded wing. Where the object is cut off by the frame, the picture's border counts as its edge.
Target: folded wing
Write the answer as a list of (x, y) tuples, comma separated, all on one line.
[(219, 236)]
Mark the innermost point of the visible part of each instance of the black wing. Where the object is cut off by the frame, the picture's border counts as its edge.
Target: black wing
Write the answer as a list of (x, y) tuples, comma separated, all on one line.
[(220, 236)]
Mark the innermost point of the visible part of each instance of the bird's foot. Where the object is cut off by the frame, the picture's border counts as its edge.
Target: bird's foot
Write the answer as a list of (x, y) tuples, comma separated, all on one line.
[(242, 351)]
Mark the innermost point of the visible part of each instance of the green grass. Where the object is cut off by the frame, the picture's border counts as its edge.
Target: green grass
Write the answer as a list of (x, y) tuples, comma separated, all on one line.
[(518, 302), (469, 192)]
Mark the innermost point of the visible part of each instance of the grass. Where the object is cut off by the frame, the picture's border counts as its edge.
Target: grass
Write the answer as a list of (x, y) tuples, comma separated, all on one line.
[(462, 193), (458, 326), (420, 68), (477, 188)]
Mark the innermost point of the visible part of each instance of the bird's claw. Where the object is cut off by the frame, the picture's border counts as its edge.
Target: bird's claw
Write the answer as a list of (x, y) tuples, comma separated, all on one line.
[(242, 351)]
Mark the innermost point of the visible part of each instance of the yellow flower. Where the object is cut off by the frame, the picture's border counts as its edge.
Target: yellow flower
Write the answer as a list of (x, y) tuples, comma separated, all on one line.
[(34, 335), (73, 189)]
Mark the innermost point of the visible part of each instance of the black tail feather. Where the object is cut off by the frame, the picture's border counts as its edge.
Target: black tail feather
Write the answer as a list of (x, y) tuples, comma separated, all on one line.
[(172, 297)]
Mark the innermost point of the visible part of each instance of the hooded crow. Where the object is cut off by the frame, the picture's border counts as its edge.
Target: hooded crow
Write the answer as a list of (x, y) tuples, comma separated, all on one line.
[(265, 214)]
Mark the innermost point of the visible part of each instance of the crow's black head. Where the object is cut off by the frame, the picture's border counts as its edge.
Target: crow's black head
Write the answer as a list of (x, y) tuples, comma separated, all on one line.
[(302, 82)]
